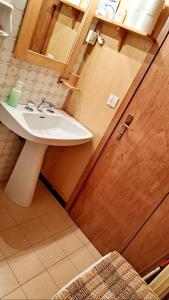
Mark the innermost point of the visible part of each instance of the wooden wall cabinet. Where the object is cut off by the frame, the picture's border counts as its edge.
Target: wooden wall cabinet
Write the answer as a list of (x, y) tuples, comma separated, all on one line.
[(39, 24), (23, 48)]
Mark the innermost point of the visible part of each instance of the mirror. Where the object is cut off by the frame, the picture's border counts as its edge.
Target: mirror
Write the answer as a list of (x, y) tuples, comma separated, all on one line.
[(57, 27), (53, 32)]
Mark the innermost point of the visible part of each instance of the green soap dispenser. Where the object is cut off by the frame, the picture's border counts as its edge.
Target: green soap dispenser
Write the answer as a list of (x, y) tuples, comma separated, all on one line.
[(15, 94)]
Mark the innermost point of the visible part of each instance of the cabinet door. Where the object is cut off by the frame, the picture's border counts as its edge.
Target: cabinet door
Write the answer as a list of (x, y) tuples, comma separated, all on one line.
[(131, 176), (151, 244)]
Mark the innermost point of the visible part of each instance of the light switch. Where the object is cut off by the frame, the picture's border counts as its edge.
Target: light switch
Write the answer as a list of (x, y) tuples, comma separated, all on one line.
[(113, 100)]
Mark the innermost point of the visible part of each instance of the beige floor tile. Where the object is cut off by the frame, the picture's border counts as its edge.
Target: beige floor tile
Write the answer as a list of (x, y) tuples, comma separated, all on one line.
[(21, 214), (1, 256), (54, 222), (49, 252), (44, 202), (6, 221), (93, 251), (8, 282), (80, 235), (68, 241), (67, 218), (63, 272), (4, 199), (25, 265), (35, 231), (18, 294), (40, 287), (82, 259), (12, 240)]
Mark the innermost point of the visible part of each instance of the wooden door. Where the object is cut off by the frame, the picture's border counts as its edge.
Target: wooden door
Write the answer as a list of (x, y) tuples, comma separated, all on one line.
[(131, 176), (151, 244)]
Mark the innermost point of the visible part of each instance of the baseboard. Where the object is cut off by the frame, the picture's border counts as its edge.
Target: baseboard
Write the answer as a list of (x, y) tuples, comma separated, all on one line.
[(52, 190)]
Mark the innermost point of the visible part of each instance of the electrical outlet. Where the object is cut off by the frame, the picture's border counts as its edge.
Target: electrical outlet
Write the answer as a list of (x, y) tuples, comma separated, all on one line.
[(91, 37), (113, 100)]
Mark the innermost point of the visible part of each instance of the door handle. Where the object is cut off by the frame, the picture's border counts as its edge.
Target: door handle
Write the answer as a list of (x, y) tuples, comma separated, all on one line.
[(125, 126)]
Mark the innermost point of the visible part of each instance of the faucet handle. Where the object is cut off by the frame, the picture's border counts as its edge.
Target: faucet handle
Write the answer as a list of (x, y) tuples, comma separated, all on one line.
[(51, 104), (30, 106), (51, 107)]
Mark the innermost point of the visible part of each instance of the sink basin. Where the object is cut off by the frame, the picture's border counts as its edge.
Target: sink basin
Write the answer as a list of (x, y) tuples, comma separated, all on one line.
[(58, 129), (39, 130)]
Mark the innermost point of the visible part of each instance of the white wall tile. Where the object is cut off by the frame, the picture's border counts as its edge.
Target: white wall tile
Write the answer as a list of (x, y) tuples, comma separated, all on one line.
[(23, 73), (5, 56), (17, 17), (3, 68), (9, 44), (10, 80), (2, 78), (31, 75), (34, 97), (26, 95), (20, 4), (15, 31), (12, 70)]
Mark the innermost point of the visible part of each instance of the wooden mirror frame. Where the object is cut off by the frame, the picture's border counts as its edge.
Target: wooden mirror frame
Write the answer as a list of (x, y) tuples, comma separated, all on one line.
[(22, 51)]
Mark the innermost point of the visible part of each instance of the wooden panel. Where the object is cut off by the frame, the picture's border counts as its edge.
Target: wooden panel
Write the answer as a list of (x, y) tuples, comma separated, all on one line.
[(27, 29), (25, 36), (42, 25), (87, 20), (105, 71), (51, 27), (89, 106), (131, 176), (64, 35), (161, 34), (151, 245)]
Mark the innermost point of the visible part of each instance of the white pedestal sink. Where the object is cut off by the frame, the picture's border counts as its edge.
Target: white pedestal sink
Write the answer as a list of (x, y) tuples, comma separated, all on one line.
[(39, 130)]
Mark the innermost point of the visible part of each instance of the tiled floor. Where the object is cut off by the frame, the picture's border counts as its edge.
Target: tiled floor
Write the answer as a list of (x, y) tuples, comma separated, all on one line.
[(41, 249)]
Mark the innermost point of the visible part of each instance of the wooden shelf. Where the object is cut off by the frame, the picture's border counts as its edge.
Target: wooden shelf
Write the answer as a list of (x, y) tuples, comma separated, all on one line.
[(79, 8), (121, 25), (123, 30), (70, 81), (68, 85)]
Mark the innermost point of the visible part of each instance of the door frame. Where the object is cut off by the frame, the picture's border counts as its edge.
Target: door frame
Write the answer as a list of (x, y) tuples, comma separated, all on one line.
[(159, 39)]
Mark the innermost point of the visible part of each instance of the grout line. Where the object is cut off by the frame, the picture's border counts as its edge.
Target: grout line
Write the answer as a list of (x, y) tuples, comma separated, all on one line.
[(52, 279), (24, 292), (37, 218), (12, 292), (51, 235), (34, 278), (47, 269), (22, 284), (13, 274)]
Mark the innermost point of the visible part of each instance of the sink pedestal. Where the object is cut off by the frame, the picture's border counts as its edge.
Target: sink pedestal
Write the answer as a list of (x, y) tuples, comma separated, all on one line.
[(22, 183)]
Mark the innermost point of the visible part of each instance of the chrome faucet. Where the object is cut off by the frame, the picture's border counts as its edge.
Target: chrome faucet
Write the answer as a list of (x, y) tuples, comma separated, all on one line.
[(45, 104)]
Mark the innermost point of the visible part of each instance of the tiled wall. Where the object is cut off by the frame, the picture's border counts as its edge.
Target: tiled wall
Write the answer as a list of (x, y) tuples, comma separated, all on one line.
[(39, 82)]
